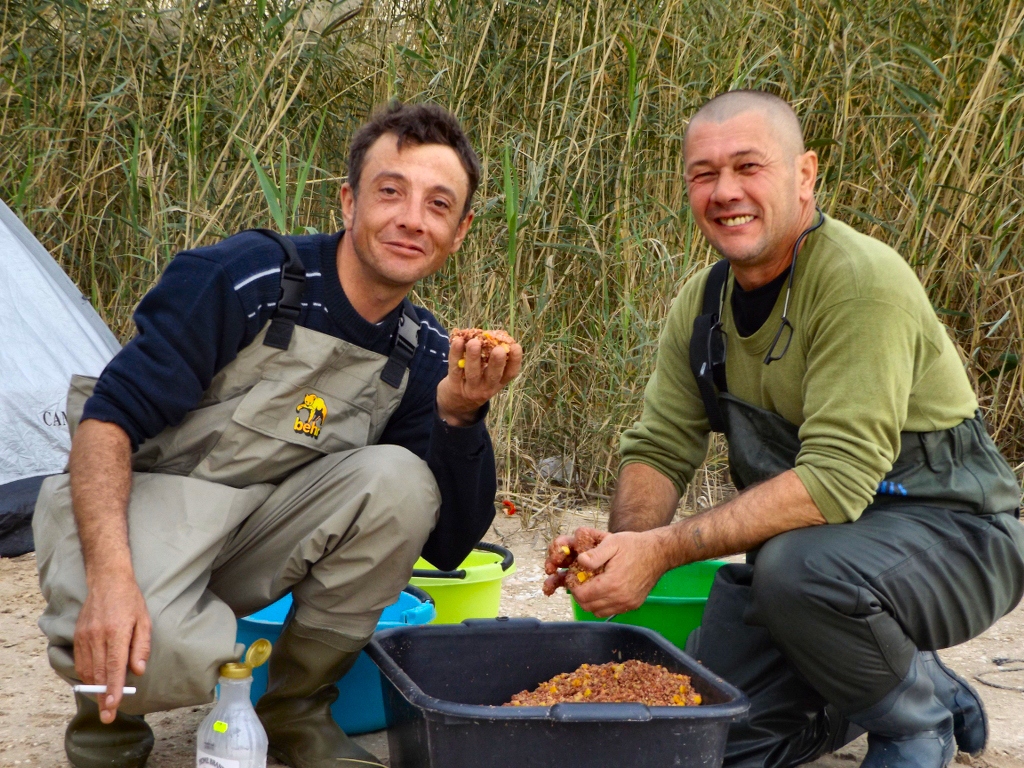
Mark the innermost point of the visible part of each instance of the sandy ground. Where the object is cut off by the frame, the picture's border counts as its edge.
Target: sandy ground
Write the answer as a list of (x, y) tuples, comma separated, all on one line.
[(35, 705)]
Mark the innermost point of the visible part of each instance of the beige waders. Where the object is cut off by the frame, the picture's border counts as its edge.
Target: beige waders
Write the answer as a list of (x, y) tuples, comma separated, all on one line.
[(272, 484)]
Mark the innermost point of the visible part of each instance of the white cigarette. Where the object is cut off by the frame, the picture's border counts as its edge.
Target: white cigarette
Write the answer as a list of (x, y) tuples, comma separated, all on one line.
[(128, 690)]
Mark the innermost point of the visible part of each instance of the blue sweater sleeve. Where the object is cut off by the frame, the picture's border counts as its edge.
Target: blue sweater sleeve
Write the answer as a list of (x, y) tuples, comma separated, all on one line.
[(190, 326), (462, 460)]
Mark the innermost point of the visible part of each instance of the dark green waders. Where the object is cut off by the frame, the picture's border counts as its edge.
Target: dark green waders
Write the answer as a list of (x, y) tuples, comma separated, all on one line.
[(825, 622)]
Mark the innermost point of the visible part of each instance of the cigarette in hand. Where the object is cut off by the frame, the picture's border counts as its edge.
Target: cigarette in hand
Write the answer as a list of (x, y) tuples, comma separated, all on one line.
[(128, 690)]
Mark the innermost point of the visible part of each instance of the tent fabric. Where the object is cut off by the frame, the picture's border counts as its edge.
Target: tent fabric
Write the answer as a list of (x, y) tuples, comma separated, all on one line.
[(48, 331), (17, 501)]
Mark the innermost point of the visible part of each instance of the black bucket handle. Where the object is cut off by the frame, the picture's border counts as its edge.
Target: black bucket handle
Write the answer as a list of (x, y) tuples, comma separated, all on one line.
[(495, 549), (420, 594)]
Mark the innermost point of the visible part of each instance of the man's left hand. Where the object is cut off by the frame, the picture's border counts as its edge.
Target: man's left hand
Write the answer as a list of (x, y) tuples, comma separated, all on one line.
[(633, 563), (464, 391)]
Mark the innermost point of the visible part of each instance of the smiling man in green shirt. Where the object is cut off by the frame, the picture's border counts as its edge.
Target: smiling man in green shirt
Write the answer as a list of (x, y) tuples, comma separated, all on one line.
[(879, 519)]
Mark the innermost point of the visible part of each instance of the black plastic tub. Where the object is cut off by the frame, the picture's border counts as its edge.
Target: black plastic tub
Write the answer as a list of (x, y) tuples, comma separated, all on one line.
[(444, 685)]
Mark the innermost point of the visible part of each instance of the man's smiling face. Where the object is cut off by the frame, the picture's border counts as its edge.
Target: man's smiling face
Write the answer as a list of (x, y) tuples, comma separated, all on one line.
[(748, 187), (408, 214)]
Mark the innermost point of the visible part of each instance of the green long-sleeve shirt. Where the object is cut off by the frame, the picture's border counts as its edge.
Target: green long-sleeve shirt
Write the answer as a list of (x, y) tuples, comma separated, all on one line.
[(868, 359)]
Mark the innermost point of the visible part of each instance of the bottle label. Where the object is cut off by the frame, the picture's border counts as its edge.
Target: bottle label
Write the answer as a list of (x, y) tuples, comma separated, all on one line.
[(204, 760)]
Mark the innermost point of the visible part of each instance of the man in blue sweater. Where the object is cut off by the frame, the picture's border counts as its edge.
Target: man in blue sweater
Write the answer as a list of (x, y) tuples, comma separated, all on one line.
[(286, 420)]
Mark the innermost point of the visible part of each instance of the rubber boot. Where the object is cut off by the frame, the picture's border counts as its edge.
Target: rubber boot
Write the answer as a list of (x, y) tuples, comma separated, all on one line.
[(296, 709), (910, 727), (970, 724), (840, 732), (90, 743)]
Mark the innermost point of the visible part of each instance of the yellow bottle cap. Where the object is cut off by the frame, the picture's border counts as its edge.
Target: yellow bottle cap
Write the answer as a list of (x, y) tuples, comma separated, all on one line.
[(257, 655), (235, 671)]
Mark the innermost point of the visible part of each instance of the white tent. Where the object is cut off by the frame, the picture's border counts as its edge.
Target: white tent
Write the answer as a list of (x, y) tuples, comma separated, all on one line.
[(48, 331)]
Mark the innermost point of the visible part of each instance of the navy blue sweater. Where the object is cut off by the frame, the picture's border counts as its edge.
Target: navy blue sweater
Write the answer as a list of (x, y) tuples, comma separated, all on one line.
[(211, 302)]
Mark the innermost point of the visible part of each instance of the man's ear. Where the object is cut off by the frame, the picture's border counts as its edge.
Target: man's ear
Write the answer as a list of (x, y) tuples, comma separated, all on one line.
[(348, 205), (807, 173), (460, 233)]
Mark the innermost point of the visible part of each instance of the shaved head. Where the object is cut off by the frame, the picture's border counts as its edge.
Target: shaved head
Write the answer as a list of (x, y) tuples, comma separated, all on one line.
[(779, 115), (750, 181)]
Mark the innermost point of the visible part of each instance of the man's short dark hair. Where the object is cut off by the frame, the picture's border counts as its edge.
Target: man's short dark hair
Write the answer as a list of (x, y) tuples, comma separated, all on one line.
[(420, 124)]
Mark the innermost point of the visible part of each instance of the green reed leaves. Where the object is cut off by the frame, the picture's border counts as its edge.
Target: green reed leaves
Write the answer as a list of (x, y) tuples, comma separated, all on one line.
[(134, 129)]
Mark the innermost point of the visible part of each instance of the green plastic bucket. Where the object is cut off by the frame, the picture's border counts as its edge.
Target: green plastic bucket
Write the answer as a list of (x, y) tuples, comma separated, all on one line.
[(675, 606), (471, 591)]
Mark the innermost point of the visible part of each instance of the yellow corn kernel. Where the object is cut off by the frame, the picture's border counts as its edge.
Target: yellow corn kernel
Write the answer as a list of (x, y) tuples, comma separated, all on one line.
[(462, 363), (682, 689), (581, 577), (566, 550), (553, 689), (586, 692), (516, 704), (677, 700), (697, 698), (577, 681)]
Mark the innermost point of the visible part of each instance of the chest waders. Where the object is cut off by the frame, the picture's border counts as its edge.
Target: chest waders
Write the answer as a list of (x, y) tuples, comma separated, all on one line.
[(823, 622), (291, 396), (273, 483)]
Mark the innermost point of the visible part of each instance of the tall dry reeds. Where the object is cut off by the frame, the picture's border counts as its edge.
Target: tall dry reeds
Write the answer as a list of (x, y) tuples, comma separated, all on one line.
[(132, 130)]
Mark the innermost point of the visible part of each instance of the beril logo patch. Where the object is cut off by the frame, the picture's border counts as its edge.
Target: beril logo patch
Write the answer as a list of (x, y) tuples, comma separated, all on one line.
[(316, 412)]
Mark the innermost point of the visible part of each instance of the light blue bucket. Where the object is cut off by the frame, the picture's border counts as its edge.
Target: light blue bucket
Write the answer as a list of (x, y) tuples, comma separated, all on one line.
[(360, 704)]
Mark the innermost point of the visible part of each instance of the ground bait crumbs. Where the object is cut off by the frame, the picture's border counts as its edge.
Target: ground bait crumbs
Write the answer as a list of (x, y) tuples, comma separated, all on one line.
[(630, 681)]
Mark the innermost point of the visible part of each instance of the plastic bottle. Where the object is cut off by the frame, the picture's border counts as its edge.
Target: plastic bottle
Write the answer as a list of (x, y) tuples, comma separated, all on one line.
[(232, 736)]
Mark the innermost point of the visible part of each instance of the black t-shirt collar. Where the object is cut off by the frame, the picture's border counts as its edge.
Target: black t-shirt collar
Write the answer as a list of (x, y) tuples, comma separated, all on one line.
[(350, 324)]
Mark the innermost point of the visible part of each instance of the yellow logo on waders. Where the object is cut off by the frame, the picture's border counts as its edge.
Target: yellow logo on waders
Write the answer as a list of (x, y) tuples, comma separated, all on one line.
[(316, 412)]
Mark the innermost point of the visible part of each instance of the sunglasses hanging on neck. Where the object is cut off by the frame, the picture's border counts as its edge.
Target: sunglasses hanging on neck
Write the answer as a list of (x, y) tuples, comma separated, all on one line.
[(785, 333)]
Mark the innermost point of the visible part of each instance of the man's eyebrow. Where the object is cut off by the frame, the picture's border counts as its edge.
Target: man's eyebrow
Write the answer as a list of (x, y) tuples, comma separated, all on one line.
[(401, 177), (737, 153), (389, 175), (445, 191)]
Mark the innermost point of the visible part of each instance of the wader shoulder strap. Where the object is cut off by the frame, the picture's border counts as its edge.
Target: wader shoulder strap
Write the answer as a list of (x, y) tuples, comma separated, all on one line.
[(289, 304), (707, 346), (407, 338)]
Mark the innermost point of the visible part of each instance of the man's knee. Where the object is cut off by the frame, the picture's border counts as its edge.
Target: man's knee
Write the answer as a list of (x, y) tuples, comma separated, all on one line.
[(780, 576), (186, 654), (392, 464), (798, 577), (399, 486)]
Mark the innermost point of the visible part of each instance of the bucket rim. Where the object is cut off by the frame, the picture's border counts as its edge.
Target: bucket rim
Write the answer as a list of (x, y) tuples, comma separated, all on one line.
[(436, 708), (484, 572)]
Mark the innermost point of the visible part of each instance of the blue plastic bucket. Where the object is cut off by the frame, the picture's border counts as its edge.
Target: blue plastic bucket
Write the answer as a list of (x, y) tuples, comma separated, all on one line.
[(360, 704)]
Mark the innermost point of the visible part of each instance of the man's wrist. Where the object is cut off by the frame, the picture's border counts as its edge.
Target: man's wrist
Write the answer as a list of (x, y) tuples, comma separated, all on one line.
[(458, 419), (111, 569), (664, 545)]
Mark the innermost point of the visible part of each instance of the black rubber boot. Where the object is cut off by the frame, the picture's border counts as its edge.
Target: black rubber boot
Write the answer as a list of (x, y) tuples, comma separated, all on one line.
[(970, 724), (840, 733), (910, 727), (89, 743), (296, 709)]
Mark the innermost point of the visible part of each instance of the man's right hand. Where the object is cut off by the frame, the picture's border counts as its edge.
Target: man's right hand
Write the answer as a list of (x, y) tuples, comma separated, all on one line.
[(113, 629), (112, 634)]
